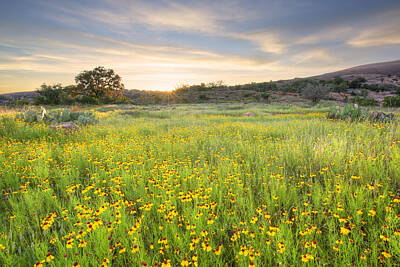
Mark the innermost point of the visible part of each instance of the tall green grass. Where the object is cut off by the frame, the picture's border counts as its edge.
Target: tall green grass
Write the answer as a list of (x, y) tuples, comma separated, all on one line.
[(273, 189)]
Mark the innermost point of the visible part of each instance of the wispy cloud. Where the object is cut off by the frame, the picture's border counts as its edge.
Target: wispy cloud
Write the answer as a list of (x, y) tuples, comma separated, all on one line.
[(375, 37), (205, 18), (315, 56), (179, 17), (324, 35), (265, 41), (385, 30), (378, 36), (202, 16)]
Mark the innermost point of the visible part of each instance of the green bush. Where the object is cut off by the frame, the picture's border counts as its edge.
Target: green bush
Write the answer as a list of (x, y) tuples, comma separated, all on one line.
[(88, 100), (54, 95), (391, 101), (364, 101), (357, 83), (341, 88), (247, 95), (265, 95), (316, 92), (203, 97), (338, 80), (379, 87)]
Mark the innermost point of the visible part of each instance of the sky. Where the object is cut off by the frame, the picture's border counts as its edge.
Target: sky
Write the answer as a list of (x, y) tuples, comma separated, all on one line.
[(163, 44)]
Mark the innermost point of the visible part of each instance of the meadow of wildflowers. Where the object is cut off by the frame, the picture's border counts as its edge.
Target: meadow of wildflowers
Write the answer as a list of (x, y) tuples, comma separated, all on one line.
[(201, 186)]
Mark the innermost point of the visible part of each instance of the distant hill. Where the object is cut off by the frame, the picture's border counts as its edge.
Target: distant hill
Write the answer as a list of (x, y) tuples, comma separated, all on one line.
[(21, 97), (378, 69), (28, 94)]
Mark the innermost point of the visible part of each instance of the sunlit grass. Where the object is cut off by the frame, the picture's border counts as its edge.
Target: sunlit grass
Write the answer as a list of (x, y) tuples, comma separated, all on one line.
[(201, 185)]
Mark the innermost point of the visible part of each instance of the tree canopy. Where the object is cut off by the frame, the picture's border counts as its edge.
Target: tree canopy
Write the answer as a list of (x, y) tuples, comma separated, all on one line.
[(99, 83)]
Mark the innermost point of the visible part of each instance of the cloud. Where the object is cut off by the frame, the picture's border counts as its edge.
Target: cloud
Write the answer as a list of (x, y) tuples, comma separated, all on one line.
[(378, 36), (206, 17), (315, 56), (180, 17), (385, 31), (378, 29), (330, 34), (265, 41), (193, 18)]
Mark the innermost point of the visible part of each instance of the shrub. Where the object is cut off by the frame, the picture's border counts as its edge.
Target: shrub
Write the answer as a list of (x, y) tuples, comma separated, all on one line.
[(289, 89), (364, 101), (391, 101), (364, 92), (21, 102), (357, 83), (379, 88), (247, 95), (265, 95), (299, 84), (88, 100), (203, 97), (54, 95), (316, 92), (50, 95), (341, 87), (338, 80)]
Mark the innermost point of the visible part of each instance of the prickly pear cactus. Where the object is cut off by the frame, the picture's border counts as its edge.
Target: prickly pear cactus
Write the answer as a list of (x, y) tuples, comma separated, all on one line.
[(30, 116), (75, 115), (87, 118), (66, 115), (54, 116)]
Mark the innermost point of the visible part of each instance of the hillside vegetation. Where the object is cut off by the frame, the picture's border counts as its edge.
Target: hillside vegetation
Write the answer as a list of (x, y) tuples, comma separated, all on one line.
[(367, 85)]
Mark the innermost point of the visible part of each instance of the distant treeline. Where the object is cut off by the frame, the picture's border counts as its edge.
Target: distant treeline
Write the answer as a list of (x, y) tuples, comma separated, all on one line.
[(102, 86), (308, 88), (336, 84)]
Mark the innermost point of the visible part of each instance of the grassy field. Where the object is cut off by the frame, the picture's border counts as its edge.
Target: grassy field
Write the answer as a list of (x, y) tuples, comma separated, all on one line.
[(201, 185)]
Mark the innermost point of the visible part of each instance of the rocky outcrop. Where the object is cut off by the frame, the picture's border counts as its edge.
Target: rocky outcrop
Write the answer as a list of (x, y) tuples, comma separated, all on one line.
[(65, 126), (248, 114)]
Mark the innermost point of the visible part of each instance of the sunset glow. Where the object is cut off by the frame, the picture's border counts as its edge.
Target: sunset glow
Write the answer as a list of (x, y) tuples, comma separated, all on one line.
[(159, 45)]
